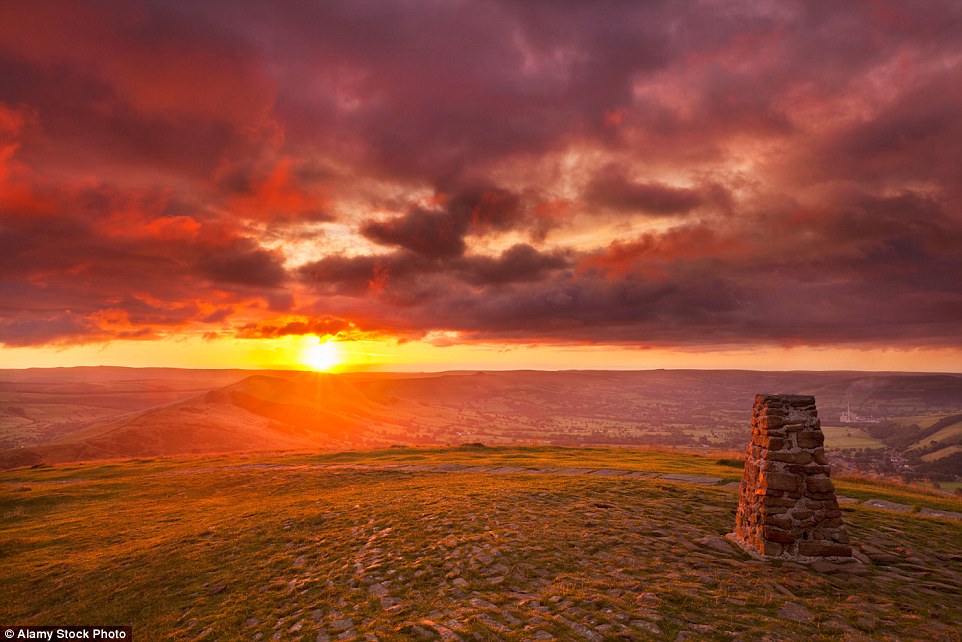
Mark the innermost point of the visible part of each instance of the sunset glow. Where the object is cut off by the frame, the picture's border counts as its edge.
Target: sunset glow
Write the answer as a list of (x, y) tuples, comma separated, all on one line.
[(321, 356), (481, 185)]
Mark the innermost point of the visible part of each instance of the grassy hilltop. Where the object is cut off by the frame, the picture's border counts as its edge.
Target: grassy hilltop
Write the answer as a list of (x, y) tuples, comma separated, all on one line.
[(317, 547)]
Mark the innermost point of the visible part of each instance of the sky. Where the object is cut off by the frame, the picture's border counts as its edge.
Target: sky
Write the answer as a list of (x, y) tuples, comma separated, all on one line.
[(457, 184)]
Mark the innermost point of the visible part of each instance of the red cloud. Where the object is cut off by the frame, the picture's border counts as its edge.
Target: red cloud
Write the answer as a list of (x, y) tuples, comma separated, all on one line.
[(174, 166)]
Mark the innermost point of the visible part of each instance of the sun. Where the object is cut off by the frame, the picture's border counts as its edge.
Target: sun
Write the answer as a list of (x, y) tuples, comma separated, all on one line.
[(321, 356)]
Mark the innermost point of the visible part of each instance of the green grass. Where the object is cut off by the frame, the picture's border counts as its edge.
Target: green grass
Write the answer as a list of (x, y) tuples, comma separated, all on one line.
[(849, 437), (151, 542), (942, 452)]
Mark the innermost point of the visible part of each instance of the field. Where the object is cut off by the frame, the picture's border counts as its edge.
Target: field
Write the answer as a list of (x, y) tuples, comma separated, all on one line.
[(63, 415), (849, 437), (384, 544)]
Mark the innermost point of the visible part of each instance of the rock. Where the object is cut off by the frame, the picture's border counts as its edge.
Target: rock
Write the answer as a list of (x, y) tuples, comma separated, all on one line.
[(217, 590), (378, 590), (932, 512), (795, 612), (822, 548), (718, 544), (418, 632), (811, 439), (798, 457), (692, 479), (484, 558), (887, 505), (342, 625), (645, 625)]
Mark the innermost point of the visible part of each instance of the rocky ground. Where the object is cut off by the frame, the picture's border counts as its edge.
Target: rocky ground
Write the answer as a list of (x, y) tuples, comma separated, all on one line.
[(455, 552)]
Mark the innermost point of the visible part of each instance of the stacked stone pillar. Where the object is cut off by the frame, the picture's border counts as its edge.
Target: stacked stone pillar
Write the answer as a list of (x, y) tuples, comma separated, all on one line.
[(787, 506)]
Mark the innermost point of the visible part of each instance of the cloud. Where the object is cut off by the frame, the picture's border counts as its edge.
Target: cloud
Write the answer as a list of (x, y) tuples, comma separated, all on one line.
[(614, 190), (643, 173), (520, 262), (440, 233), (245, 263)]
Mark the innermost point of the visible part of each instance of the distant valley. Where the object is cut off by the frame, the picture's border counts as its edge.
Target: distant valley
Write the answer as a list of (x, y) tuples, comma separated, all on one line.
[(905, 424)]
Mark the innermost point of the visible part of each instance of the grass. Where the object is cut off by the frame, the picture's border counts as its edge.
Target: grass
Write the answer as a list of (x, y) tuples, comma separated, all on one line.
[(849, 437), (228, 547), (943, 452)]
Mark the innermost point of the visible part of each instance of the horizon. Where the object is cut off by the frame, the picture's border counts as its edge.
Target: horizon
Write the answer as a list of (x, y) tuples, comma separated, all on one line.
[(340, 371), (481, 186)]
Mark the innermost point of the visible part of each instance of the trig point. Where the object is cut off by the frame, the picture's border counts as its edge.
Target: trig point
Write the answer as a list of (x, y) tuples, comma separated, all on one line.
[(787, 506)]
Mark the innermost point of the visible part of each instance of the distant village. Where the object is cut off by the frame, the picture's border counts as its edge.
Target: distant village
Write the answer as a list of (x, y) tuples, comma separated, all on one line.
[(849, 417)]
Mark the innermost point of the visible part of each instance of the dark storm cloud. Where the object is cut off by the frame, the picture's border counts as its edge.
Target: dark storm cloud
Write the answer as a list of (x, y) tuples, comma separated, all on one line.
[(164, 164), (439, 233), (612, 189), (89, 266), (400, 273), (245, 263), (520, 262)]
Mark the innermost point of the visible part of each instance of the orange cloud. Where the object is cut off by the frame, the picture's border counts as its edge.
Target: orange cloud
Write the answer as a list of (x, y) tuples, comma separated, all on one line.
[(278, 196)]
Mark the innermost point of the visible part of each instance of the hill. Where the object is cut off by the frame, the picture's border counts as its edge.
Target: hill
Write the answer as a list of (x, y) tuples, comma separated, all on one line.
[(81, 414), (466, 543), (260, 412)]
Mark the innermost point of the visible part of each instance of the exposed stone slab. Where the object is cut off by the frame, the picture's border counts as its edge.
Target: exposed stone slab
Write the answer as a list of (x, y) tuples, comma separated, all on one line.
[(691, 479), (641, 475), (506, 469), (572, 471), (887, 505), (452, 468), (933, 512), (608, 472)]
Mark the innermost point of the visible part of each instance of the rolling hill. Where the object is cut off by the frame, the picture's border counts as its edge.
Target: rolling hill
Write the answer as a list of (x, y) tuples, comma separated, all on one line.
[(261, 412), (64, 414)]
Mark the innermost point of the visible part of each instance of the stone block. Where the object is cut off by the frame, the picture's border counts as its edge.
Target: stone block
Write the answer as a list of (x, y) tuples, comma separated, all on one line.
[(767, 441), (799, 457), (778, 535), (806, 469), (771, 422), (779, 481), (784, 521), (819, 484), (772, 549), (809, 439), (771, 500)]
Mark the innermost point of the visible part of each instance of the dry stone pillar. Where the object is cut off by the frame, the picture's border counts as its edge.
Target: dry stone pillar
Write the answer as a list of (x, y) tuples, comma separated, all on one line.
[(787, 506)]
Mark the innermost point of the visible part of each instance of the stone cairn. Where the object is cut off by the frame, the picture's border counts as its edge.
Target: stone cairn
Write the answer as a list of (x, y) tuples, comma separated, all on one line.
[(787, 506)]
